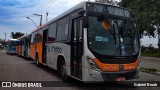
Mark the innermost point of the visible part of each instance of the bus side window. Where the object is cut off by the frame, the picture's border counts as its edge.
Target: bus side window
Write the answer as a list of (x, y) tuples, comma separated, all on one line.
[(39, 36), (52, 32), (62, 30), (33, 38)]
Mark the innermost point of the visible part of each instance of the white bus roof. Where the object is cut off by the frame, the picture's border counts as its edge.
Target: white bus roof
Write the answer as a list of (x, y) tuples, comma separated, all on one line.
[(78, 7), (74, 8), (13, 40), (22, 37)]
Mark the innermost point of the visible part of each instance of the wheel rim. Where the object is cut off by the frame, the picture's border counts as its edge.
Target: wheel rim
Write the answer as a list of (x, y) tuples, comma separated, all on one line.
[(37, 61)]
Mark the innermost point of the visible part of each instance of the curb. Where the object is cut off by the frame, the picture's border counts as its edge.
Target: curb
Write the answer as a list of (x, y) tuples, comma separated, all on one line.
[(158, 73)]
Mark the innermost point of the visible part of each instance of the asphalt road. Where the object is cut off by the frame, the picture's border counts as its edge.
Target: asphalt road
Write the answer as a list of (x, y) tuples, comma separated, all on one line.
[(14, 68), (151, 62)]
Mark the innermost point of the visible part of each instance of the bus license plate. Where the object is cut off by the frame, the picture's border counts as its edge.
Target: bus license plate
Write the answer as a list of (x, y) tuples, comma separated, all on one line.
[(120, 78)]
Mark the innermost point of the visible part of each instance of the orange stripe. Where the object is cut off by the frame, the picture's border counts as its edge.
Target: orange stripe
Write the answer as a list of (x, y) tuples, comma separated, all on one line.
[(32, 51), (107, 67), (115, 67), (39, 50), (131, 66)]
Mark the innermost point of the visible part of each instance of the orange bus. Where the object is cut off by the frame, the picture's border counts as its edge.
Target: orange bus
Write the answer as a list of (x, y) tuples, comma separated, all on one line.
[(36, 44), (23, 47)]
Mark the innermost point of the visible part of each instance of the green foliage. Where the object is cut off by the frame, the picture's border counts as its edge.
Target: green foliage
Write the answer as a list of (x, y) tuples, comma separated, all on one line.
[(147, 12), (149, 70), (150, 54), (105, 1), (150, 51), (16, 35)]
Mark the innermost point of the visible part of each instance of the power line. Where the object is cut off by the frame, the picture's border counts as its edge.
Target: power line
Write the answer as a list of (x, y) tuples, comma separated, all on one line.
[(49, 6), (45, 5), (40, 6)]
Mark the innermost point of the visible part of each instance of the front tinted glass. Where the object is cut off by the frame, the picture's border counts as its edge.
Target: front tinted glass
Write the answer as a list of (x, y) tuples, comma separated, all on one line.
[(119, 38)]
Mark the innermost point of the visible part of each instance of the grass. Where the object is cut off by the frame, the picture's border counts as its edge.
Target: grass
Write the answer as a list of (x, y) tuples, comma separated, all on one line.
[(150, 54), (149, 70)]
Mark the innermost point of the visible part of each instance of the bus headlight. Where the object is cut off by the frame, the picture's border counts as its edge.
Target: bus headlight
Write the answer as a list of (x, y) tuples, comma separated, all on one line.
[(139, 65), (93, 64)]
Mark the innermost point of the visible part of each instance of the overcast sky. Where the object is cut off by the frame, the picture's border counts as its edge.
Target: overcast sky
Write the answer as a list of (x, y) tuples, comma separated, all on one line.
[(13, 14)]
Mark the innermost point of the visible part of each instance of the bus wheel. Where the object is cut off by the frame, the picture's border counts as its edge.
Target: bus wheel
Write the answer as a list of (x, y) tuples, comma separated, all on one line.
[(63, 75), (37, 60)]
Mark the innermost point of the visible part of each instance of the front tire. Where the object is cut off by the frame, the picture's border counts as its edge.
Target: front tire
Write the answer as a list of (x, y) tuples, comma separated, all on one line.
[(63, 73), (24, 55), (37, 60)]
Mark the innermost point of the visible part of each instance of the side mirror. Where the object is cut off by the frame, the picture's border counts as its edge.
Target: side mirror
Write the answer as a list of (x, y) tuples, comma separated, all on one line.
[(85, 22)]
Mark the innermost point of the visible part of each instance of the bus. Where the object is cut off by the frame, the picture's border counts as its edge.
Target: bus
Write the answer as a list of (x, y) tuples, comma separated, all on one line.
[(1, 46), (11, 46), (90, 42), (23, 46)]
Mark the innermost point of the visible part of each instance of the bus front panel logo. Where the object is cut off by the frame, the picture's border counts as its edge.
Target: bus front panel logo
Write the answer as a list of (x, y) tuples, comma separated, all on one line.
[(6, 84)]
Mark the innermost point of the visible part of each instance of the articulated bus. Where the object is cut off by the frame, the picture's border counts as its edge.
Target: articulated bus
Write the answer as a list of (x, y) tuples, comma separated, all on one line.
[(11, 46), (90, 42), (23, 46)]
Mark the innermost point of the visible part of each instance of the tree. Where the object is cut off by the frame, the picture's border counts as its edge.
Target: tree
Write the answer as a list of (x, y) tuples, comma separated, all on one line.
[(105, 1), (147, 12), (16, 35)]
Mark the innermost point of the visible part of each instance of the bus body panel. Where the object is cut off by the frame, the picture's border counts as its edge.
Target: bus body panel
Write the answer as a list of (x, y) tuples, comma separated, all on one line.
[(23, 46), (109, 72), (11, 46), (39, 51), (54, 50), (20, 50), (17, 50), (23, 49), (32, 51), (102, 71), (106, 73)]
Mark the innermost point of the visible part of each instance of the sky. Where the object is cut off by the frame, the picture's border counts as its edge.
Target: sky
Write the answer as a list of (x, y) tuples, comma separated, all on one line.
[(13, 15)]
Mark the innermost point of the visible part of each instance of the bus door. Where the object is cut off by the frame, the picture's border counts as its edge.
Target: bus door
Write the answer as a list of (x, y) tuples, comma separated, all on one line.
[(44, 47), (76, 48), (26, 47)]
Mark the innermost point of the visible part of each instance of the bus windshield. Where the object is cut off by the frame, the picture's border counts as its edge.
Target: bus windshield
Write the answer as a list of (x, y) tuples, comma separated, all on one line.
[(113, 36), (14, 43)]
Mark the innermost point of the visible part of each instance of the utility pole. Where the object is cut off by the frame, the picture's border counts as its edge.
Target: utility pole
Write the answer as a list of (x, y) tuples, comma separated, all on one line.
[(40, 18), (46, 16), (159, 39), (5, 37)]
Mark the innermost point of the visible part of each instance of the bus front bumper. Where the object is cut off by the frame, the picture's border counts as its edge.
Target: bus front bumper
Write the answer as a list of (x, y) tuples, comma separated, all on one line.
[(13, 52), (100, 76), (126, 75)]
